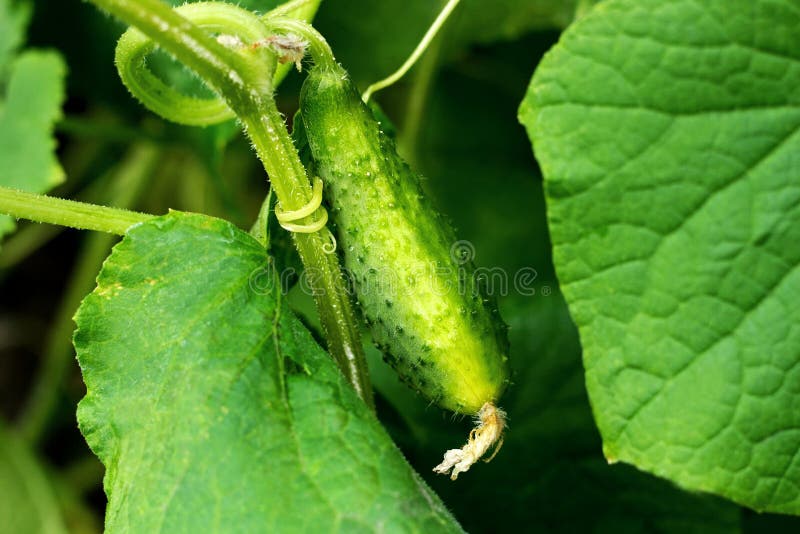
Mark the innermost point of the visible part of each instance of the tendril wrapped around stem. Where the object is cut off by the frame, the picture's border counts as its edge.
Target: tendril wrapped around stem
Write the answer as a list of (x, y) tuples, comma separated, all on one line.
[(287, 219), (243, 77)]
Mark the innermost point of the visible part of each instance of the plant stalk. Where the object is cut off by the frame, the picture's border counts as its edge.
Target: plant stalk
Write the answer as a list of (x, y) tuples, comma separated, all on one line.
[(45, 209), (252, 101)]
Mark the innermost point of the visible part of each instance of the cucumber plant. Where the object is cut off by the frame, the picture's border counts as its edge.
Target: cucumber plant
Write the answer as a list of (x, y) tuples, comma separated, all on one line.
[(460, 363), (217, 398)]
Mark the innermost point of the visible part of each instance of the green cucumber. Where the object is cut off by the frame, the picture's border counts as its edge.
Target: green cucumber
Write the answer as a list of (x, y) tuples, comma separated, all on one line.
[(425, 309)]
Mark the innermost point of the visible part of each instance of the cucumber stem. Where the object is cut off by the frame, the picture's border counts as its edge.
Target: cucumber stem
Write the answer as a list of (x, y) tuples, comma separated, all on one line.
[(318, 48), (297, 10), (244, 82)]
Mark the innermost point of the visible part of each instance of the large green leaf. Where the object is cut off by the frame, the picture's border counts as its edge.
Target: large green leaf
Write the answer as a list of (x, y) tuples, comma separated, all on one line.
[(28, 503), (213, 409), (31, 93), (668, 137)]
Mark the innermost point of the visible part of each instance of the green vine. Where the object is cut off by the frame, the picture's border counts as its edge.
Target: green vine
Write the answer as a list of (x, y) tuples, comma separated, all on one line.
[(242, 76)]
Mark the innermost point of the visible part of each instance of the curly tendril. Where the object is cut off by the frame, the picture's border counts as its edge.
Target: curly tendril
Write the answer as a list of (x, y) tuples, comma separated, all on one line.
[(237, 29), (287, 218)]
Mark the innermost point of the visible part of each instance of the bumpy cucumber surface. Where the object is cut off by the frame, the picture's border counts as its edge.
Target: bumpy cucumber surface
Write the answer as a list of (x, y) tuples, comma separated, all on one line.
[(422, 302)]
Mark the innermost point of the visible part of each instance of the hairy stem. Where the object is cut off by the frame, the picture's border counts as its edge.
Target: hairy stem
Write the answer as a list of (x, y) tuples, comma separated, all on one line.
[(45, 209), (279, 156), (245, 85), (318, 47)]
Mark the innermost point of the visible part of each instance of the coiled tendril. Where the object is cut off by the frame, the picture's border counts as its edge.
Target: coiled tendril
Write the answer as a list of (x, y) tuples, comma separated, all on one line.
[(287, 219)]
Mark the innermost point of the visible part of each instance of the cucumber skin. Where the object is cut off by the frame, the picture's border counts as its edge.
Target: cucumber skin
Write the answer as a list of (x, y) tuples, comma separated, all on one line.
[(450, 345)]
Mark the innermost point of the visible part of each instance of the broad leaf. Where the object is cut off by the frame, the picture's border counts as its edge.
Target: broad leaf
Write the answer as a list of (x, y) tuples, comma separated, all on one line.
[(668, 137), (213, 409), (28, 503)]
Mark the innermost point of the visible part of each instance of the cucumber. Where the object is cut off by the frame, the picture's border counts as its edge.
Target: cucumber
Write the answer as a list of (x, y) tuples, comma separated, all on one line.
[(426, 311)]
